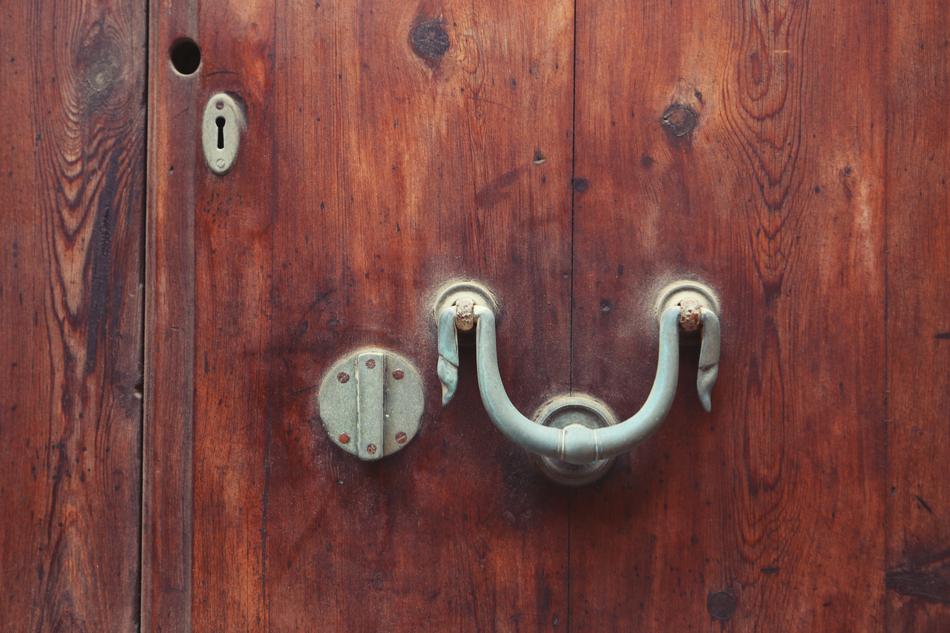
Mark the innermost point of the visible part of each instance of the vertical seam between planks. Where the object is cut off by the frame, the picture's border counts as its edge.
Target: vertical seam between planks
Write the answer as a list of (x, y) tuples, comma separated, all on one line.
[(268, 429), (885, 94), (143, 257), (570, 344)]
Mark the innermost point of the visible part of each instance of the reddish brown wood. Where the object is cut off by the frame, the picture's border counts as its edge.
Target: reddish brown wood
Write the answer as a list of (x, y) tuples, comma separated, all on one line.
[(170, 325), (71, 199), (389, 148), (777, 150), (918, 325), (742, 143)]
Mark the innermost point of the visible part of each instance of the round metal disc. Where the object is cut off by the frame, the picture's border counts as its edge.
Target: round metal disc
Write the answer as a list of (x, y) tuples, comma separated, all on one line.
[(371, 403), (576, 409)]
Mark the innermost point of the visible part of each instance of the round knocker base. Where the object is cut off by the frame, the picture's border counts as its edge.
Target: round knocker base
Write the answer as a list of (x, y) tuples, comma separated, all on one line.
[(576, 409)]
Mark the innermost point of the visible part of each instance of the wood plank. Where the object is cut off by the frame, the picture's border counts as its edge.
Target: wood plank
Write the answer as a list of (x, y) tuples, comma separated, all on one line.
[(72, 201), (918, 327), (170, 325), (388, 150), (711, 141), (233, 222), (418, 144)]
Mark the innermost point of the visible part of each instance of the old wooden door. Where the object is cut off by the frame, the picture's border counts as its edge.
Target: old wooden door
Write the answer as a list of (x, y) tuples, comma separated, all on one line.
[(572, 155)]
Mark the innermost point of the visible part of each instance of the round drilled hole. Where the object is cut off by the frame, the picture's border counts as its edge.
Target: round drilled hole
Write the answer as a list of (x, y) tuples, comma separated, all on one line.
[(185, 56)]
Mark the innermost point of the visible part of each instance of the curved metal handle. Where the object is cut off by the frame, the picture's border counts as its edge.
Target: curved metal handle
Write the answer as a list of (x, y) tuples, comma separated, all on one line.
[(576, 443)]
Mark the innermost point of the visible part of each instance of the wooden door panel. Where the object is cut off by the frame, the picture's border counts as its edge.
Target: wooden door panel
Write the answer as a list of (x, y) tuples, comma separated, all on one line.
[(778, 151), (377, 164), (742, 145), (72, 137)]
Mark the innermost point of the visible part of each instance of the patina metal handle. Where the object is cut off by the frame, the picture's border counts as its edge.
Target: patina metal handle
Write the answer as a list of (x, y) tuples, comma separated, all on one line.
[(684, 306)]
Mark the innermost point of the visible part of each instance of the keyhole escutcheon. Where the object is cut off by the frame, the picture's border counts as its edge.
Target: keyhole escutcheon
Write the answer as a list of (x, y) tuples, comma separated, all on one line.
[(222, 124)]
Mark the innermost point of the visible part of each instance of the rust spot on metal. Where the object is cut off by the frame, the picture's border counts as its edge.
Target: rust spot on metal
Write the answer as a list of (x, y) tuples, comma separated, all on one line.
[(343, 377), (429, 40), (721, 605), (371, 449), (465, 314), (679, 120), (399, 374), (371, 363), (401, 437), (344, 438), (691, 313)]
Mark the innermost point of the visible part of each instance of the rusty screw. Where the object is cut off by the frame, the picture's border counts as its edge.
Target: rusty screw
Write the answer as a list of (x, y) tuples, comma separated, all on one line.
[(371, 449), (371, 363), (343, 377), (401, 437), (344, 438), (399, 374)]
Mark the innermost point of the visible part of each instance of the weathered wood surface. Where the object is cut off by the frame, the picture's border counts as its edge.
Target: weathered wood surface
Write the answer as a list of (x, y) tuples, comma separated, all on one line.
[(742, 143), (389, 148), (72, 136), (780, 151), (917, 317), (170, 304)]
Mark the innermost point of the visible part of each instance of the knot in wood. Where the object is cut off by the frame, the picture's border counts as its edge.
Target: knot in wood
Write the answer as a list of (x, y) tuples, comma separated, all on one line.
[(679, 120), (429, 40)]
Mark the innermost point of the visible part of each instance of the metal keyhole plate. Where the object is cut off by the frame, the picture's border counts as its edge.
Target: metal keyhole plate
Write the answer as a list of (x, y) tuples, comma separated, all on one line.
[(221, 127), (371, 403), (561, 411)]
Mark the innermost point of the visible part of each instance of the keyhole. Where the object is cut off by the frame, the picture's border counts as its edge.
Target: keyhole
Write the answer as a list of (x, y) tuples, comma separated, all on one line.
[(220, 121)]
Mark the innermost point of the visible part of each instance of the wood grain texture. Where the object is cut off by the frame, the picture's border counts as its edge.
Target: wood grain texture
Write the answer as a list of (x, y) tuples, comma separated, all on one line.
[(776, 150), (233, 224), (71, 202), (389, 149), (173, 162), (743, 144), (918, 325)]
